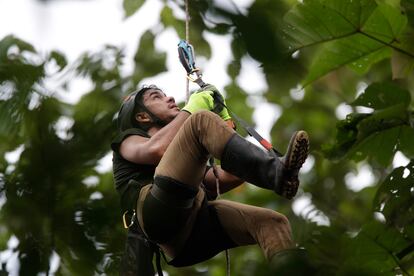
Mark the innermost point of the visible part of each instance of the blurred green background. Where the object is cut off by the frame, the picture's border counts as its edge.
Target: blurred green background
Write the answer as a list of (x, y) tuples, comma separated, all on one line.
[(340, 69)]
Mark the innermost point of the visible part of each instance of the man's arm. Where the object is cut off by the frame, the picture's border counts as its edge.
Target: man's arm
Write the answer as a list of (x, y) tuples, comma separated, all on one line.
[(227, 181), (141, 150)]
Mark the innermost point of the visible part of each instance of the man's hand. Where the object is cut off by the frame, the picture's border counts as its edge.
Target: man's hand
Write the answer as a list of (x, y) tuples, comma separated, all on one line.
[(200, 100), (219, 102)]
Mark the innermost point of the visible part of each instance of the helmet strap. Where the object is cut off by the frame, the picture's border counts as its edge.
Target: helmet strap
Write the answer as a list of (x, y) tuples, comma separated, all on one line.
[(155, 119)]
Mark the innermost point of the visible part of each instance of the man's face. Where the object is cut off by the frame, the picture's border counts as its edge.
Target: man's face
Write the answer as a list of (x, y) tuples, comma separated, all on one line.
[(160, 105)]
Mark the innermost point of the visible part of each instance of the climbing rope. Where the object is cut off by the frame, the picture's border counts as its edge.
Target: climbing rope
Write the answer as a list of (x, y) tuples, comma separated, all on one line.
[(215, 172), (187, 38)]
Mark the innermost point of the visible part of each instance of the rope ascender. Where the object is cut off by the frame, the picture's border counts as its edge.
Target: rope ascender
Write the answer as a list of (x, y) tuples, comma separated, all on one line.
[(186, 56)]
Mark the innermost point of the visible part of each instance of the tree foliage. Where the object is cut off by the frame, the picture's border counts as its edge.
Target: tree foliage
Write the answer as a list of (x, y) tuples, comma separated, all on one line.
[(56, 201)]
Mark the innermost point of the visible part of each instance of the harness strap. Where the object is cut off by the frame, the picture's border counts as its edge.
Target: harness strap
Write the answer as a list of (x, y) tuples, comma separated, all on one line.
[(251, 131), (152, 245), (156, 249)]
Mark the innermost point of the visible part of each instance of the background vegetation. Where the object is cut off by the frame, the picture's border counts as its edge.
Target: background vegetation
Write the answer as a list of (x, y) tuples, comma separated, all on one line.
[(345, 53)]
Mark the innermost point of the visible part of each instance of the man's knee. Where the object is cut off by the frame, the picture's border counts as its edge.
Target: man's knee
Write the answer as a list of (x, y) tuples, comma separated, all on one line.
[(272, 217), (281, 220)]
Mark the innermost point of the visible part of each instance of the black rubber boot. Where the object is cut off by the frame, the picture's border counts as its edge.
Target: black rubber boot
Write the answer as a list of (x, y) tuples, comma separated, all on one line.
[(263, 169)]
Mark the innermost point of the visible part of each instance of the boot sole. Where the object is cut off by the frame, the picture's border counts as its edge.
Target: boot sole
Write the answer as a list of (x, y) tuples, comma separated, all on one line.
[(296, 155)]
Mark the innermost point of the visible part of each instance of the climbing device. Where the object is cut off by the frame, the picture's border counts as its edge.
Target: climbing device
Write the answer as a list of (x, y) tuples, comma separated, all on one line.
[(186, 56)]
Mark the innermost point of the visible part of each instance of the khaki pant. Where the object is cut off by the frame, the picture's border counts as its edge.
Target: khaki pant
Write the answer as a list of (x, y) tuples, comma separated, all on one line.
[(204, 134)]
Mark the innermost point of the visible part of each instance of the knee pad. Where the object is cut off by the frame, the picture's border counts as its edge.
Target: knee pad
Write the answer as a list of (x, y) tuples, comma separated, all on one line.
[(166, 208), (173, 193)]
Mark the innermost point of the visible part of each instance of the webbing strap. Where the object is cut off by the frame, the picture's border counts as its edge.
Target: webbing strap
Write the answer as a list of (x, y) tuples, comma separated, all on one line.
[(158, 260), (215, 172), (251, 131)]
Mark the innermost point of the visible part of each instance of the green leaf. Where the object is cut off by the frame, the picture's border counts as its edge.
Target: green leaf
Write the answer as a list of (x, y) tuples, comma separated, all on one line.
[(7, 42), (168, 20), (383, 119), (406, 139), (372, 251), (305, 26), (382, 95), (358, 127), (395, 197), (346, 136), (379, 134), (402, 65), (380, 146), (355, 32), (363, 65), (342, 51), (59, 58), (385, 24), (131, 6), (148, 61)]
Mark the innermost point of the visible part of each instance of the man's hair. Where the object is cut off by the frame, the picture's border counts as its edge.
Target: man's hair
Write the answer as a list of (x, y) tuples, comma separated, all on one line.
[(139, 99)]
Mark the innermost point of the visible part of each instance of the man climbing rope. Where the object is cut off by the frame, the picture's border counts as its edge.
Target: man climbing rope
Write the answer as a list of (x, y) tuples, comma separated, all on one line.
[(160, 171)]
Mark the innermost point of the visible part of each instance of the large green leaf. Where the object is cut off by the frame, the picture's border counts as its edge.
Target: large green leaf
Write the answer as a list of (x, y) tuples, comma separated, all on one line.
[(402, 65), (148, 61), (378, 134), (385, 24), (371, 137), (383, 95), (363, 64), (395, 197), (19, 80), (7, 42), (372, 251), (355, 32), (380, 146), (346, 50), (195, 32), (59, 58)]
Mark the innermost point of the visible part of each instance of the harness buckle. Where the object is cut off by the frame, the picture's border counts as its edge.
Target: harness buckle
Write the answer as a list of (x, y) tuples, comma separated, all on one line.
[(197, 79)]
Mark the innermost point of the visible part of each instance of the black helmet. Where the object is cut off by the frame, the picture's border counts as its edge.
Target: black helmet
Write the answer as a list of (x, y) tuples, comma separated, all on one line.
[(126, 115)]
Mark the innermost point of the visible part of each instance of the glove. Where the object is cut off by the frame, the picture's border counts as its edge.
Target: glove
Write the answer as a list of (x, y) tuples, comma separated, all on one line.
[(200, 100), (218, 102), (218, 105)]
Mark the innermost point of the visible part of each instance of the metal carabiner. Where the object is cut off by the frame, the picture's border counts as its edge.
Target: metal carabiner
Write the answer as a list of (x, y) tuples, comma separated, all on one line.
[(124, 219)]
